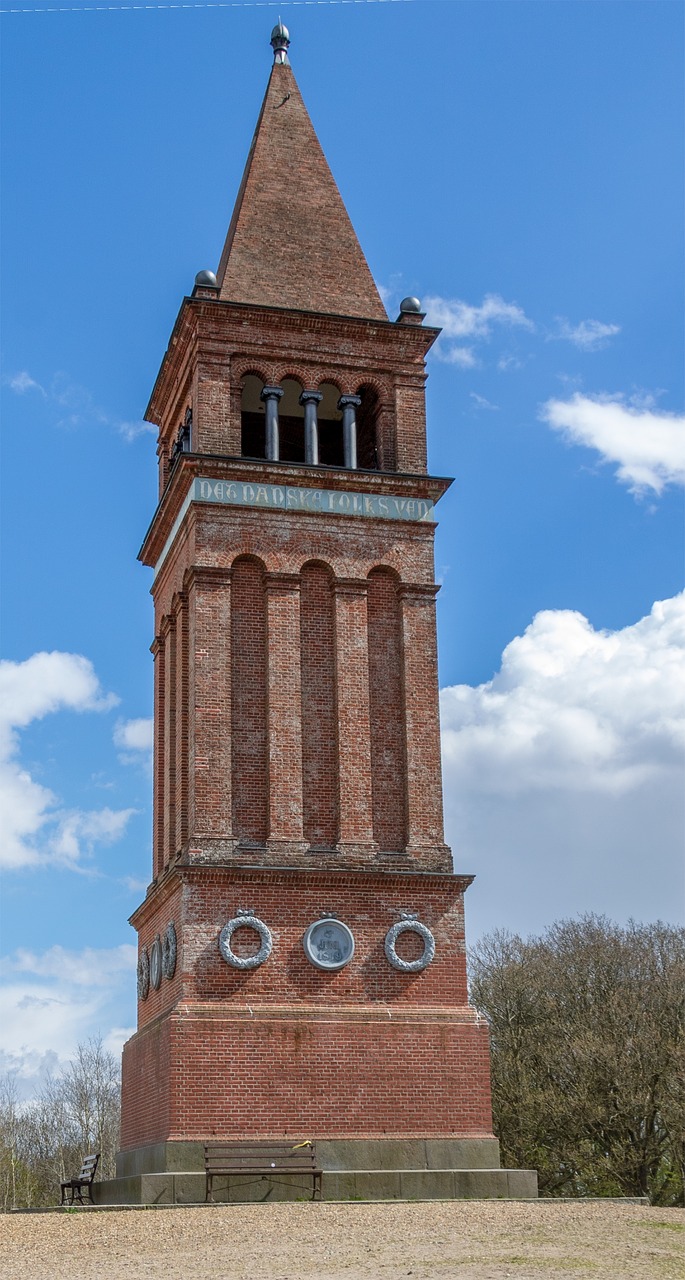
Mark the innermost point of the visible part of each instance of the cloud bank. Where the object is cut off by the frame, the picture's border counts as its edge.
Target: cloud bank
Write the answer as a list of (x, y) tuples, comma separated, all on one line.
[(35, 828), (563, 774), (53, 999), (461, 321), (648, 446)]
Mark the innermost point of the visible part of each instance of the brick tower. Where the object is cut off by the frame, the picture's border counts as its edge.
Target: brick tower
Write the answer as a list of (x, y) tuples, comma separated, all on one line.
[(302, 967)]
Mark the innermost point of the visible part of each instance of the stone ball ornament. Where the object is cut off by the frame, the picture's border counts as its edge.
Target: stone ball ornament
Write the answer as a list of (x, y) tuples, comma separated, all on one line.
[(245, 919), (206, 280), (409, 923), (169, 951), (156, 963), (328, 944), (143, 974)]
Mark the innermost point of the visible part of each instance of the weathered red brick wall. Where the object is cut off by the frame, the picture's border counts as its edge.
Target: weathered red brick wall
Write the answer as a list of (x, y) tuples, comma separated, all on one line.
[(288, 901), (289, 1049), (146, 1086)]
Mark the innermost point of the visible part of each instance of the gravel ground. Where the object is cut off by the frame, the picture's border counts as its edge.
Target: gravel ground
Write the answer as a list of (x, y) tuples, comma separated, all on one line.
[(467, 1240)]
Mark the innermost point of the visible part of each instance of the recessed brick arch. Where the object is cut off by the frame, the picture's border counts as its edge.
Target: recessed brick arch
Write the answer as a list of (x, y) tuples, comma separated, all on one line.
[(387, 710), (320, 771), (249, 646)]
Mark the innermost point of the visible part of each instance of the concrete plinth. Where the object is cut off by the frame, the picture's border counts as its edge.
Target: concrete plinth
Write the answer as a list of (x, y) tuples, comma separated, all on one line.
[(380, 1169)]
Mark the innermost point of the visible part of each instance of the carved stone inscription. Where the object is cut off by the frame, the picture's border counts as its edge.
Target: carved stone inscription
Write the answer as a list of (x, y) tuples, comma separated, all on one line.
[(280, 497)]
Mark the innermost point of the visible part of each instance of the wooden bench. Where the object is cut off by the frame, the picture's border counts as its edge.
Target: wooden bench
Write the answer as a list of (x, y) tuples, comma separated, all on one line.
[(265, 1160), (82, 1182)]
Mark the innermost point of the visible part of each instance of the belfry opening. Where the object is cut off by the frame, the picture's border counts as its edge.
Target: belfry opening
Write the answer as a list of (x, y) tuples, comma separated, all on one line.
[(301, 958)]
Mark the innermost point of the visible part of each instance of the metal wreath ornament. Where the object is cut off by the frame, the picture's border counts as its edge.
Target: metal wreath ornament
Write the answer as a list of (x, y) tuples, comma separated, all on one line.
[(143, 974), (245, 920), (169, 951), (409, 924)]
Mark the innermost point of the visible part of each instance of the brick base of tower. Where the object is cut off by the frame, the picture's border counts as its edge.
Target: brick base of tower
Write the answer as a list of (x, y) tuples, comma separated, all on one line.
[(387, 1072)]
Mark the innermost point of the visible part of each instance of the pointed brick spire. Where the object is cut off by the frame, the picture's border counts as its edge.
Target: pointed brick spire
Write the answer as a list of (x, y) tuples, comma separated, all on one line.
[(291, 242)]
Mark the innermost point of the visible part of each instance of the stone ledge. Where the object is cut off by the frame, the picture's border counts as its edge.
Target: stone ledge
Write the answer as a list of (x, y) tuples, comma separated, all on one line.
[(342, 1185)]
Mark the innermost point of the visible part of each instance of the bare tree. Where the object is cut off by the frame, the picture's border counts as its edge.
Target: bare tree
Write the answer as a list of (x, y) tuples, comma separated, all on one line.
[(588, 1035), (44, 1141)]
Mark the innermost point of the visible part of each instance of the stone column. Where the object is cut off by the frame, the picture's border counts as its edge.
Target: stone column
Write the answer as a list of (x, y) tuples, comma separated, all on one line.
[(425, 837), (209, 711), (354, 747), (311, 400), (286, 832), (271, 397), (349, 406)]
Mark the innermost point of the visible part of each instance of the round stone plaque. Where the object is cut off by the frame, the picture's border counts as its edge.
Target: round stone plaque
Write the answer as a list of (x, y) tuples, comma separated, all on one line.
[(156, 963), (328, 944)]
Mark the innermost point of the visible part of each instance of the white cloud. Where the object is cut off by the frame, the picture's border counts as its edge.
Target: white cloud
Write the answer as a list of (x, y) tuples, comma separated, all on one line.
[(460, 320), (91, 967), (78, 403), (133, 740), (22, 382), (507, 363), (481, 402), (563, 774), (134, 735), (648, 446), (588, 335), (34, 828), (465, 357), (52, 1000), (78, 832)]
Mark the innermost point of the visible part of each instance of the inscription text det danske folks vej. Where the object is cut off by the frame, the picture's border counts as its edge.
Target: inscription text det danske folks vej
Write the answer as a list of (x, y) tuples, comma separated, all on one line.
[(290, 498)]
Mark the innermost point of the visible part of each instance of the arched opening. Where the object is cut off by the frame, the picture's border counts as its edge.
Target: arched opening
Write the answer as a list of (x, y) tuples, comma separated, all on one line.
[(367, 417), (252, 419), (320, 767), (291, 422), (387, 712), (249, 737), (331, 452)]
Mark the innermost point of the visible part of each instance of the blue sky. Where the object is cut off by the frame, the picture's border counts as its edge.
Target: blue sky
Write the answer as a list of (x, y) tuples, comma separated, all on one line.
[(516, 165)]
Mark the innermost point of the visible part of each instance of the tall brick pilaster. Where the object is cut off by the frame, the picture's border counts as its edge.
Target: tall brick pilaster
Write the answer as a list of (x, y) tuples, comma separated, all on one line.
[(181, 770), (158, 653), (352, 669), (424, 785), (169, 636), (209, 641)]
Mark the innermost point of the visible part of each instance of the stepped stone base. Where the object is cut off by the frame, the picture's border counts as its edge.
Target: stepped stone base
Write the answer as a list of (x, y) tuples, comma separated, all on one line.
[(390, 1169)]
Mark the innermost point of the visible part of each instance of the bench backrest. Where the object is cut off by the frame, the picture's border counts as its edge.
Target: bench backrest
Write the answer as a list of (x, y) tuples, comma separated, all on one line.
[(87, 1170), (238, 1156)]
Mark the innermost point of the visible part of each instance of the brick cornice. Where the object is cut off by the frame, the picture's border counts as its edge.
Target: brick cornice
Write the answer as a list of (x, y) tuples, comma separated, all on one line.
[(211, 332)]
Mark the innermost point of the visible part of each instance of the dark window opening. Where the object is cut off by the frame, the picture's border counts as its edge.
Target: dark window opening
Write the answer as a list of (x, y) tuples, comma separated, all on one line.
[(291, 422), (331, 452), (252, 419), (367, 416)]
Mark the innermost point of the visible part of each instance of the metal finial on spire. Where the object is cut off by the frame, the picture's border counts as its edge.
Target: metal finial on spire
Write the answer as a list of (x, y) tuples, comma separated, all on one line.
[(280, 39)]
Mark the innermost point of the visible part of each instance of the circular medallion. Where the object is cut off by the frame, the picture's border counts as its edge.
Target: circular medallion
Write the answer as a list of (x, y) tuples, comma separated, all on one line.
[(169, 949), (423, 932), (156, 963), (245, 962), (143, 974), (328, 944)]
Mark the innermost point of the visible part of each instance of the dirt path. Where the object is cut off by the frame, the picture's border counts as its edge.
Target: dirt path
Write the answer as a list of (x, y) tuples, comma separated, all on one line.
[(466, 1240)]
